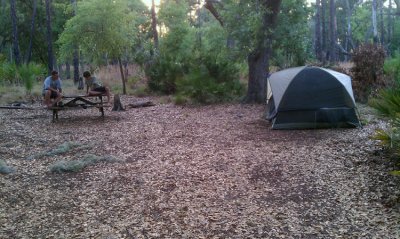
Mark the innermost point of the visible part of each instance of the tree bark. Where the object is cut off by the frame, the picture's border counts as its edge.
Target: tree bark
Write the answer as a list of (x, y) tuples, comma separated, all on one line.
[(210, 6), (381, 23), (324, 31), (318, 33), (67, 70), (122, 76), (117, 106), (29, 55), (75, 56), (49, 37), (332, 31), (390, 24), (14, 21), (154, 24), (374, 22), (258, 60)]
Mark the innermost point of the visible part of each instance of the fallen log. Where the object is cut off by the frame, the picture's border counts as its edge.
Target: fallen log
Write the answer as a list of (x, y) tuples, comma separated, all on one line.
[(141, 104)]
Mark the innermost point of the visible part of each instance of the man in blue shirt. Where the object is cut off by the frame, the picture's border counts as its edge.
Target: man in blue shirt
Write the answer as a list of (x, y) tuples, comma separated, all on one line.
[(52, 89)]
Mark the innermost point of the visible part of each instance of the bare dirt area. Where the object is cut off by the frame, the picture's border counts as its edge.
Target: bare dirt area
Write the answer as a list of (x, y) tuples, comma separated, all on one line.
[(193, 172)]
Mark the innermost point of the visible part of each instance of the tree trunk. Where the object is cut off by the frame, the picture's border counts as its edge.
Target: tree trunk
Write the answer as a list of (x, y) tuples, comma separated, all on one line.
[(390, 24), (374, 21), (397, 2), (67, 70), (318, 33), (122, 76), (75, 56), (324, 32), (332, 31), (381, 23), (154, 24), (210, 6), (117, 106), (258, 60), (15, 32), (49, 37), (32, 32)]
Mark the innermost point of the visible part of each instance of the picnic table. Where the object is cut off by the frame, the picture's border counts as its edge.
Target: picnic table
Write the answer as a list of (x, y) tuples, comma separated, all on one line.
[(79, 102)]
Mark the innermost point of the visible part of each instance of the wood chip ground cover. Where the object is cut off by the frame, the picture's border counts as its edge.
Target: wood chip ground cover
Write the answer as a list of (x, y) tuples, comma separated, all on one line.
[(193, 172)]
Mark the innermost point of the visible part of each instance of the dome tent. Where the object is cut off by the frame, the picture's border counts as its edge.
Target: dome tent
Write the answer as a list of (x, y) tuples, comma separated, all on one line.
[(310, 97)]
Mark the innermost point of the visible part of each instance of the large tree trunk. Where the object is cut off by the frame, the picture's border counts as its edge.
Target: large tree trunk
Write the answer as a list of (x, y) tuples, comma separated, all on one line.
[(258, 60), (29, 54), (154, 24), (318, 33), (14, 21), (49, 37), (332, 31)]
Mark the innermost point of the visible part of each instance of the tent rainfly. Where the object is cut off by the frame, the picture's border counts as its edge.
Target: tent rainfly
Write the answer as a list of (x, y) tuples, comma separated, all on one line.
[(310, 97)]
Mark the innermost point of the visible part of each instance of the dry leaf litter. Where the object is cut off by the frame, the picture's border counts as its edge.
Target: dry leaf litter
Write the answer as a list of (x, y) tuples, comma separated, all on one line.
[(193, 172)]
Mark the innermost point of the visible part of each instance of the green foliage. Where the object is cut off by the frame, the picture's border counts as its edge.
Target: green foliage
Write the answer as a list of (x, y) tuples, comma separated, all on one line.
[(193, 63), (100, 27), (392, 68), (291, 42), (28, 73), (10, 73), (367, 70), (78, 165), (388, 104), (4, 169), (201, 87)]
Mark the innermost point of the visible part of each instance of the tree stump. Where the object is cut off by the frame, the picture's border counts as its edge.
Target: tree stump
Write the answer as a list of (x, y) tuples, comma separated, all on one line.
[(117, 104)]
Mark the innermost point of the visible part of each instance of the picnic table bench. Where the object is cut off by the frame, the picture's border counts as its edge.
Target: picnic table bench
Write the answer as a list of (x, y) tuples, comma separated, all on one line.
[(79, 102)]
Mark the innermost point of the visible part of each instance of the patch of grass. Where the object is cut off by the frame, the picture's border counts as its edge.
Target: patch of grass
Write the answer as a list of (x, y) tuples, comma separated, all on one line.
[(78, 165), (61, 149), (4, 169)]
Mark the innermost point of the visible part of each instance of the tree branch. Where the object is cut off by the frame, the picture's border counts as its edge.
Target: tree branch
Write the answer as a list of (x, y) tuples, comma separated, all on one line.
[(210, 6)]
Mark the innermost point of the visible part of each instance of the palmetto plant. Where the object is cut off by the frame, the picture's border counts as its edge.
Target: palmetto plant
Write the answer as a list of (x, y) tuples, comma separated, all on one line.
[(388, 104)]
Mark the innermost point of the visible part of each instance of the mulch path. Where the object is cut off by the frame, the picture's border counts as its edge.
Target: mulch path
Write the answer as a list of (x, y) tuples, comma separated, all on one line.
[(194, 172)]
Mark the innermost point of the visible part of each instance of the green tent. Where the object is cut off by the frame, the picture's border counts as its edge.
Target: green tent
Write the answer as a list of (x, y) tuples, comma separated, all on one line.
[(310, 97)]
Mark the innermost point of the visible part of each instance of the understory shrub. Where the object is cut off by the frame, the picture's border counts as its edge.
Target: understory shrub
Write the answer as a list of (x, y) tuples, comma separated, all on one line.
[(368, 71), (388, 104), (163, 73), (201, 87), (25, 74), (78, 165)]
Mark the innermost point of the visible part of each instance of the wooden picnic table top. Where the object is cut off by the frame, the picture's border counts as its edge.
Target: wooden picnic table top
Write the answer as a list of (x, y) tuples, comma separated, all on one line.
[(80, 96)]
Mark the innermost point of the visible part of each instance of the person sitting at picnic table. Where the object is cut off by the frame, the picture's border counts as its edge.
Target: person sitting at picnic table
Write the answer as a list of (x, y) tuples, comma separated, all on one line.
[(52, 90), (94, 88)]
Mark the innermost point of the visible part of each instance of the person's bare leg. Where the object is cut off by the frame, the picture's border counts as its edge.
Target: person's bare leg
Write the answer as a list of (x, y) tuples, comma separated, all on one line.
[(108, 94), (94, 93), (47, 100), (58, 99)]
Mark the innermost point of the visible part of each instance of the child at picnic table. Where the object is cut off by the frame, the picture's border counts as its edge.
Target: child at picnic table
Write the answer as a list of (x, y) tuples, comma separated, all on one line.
[(52, 89), (94, 87)]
